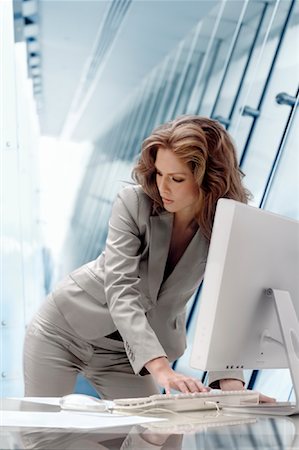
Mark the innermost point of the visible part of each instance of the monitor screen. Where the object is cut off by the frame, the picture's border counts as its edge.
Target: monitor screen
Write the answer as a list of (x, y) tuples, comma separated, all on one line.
[(237, 327)]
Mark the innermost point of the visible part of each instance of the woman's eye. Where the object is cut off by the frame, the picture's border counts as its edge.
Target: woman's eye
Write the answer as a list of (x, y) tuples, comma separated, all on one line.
[(176, 180)]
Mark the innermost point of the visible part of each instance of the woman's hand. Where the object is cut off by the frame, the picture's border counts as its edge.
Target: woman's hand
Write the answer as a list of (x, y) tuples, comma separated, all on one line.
[(266, 399), (230, 384), (169, 379)]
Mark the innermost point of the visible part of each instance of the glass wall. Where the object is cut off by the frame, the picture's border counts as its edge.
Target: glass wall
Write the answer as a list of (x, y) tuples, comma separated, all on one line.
[(22, 273)]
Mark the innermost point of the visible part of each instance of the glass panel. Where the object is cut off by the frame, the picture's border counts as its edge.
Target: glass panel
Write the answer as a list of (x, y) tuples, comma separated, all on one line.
[(283, 197), (237, 64), (257, 73), (22, 271), (226, 35), (209, 46), (270, 126), (275, 383)]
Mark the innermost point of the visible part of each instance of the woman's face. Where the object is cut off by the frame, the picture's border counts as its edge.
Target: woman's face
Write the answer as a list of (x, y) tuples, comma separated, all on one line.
[(175, 182)]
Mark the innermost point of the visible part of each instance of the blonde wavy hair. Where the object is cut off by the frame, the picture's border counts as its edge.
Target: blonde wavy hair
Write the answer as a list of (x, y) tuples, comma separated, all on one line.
[(207, 148)]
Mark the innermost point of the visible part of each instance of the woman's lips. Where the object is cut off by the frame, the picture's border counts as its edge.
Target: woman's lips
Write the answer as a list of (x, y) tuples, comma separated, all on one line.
[(167, 201)]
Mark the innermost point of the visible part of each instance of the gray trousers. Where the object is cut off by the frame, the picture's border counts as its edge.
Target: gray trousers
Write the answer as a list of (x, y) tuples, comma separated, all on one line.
[(54, 355)]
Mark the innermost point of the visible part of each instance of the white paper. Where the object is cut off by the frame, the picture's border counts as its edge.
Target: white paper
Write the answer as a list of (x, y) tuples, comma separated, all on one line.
[(69, 419)]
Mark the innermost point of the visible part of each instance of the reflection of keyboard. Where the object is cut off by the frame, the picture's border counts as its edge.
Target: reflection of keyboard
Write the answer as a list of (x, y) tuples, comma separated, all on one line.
[(186, 423), (188, 402)]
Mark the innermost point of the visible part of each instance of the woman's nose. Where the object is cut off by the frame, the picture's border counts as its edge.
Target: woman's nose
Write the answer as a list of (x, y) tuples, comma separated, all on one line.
[(163, 185)]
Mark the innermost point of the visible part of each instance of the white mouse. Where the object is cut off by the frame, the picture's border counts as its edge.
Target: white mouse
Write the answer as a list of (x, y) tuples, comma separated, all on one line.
[(82, 402)]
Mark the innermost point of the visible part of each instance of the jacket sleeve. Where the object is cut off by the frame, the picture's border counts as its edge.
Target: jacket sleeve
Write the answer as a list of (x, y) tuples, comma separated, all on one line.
[(122, 282)]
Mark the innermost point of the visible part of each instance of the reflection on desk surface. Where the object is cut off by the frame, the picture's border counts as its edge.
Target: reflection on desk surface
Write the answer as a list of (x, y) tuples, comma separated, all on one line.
[(16, 404), (194, 431)]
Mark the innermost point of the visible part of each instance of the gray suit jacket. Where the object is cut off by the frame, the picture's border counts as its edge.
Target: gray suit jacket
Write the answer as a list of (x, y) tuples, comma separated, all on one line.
[(123, 288)]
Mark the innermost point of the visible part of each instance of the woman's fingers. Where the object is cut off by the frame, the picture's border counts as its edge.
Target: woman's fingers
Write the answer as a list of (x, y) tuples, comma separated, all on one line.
[(169, 379), (187, 385), (191, 385), (266, 399), (194, 385), (201, 387), (182, 386)]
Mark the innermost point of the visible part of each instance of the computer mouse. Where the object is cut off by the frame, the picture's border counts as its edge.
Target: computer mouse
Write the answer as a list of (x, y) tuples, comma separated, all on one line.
[(82, 402)]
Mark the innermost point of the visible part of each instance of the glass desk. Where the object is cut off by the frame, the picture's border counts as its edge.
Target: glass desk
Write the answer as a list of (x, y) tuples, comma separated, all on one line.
[(206, 430)]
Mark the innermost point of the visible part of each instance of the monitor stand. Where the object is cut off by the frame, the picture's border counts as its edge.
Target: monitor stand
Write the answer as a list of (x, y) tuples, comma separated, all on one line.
[(289, 326)]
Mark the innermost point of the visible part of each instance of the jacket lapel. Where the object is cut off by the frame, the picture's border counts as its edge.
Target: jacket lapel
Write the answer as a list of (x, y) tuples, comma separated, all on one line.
[(160, 235), (188, 270)]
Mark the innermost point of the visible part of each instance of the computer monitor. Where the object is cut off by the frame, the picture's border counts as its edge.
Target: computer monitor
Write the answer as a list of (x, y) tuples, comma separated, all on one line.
[(249, 305)]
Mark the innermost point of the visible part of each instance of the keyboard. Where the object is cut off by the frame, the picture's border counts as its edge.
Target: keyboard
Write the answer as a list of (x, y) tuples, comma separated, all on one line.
[(270, 409), (187, 402)]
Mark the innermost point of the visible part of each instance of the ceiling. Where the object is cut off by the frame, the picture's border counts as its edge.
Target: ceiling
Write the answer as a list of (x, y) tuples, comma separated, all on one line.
[(95, 53)]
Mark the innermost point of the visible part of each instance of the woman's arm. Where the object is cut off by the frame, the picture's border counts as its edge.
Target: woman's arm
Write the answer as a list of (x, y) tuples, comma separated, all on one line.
[(122, 281)]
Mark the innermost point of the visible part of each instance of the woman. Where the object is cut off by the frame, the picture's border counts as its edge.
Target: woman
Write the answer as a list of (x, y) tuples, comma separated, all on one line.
[(120, 319)]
